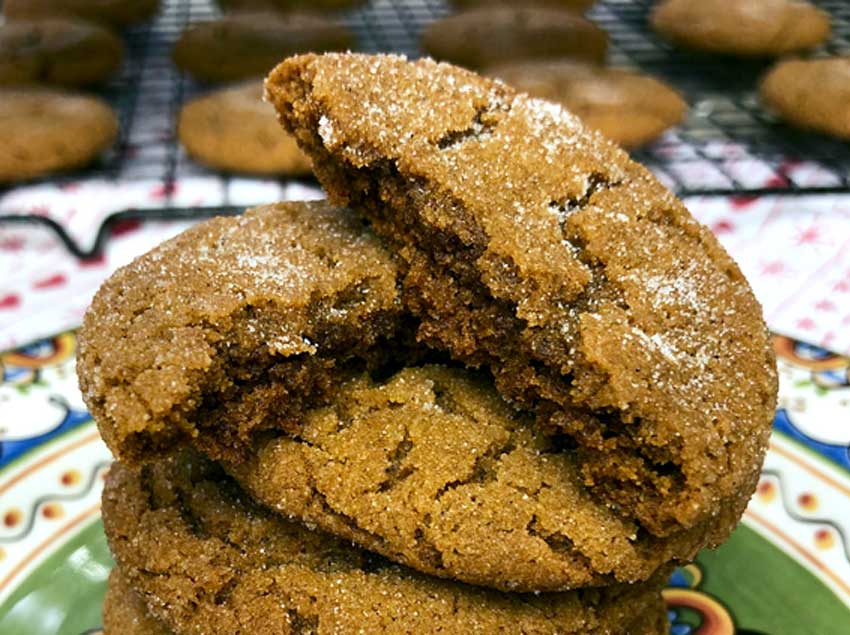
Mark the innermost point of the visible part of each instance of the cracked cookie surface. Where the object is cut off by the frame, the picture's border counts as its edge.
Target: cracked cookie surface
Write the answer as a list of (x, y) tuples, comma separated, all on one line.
[(236, 325), (433, 470), (125, 613), (534, 247), (206, 560)]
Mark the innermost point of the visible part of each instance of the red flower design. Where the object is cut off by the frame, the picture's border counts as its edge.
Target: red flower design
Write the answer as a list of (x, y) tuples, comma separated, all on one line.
[(773, 268), (123, 227), (10, 301), (12, 243), (56, 280), (740, 202), (96, 261), (807, 324), (723, 226), (809, 235), (164, 190)]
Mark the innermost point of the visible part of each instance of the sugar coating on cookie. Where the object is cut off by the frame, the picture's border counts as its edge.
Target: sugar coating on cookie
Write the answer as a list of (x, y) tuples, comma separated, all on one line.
[(125, 613), (432, 469), (536, 248), (627, 107), (742, 27), (483, 36), (813, 94), (205, 559), (47, 130), (234, 326), (62, 51), (233, 129)]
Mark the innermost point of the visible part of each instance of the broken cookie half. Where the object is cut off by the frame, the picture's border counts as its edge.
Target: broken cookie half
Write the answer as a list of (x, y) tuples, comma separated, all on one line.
[(534, 248), (234, 326)]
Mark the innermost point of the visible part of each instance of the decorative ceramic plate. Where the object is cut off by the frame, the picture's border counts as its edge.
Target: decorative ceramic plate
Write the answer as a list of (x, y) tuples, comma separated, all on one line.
[(785, 571)]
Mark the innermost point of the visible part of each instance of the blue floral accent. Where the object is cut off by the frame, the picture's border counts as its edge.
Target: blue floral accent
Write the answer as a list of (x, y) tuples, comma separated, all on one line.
[(839, 454), (809, 351), (678, 628), (679, 580), (10, 450)]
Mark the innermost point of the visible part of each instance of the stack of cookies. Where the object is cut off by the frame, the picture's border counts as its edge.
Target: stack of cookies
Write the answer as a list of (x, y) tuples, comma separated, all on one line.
[(502, 382)]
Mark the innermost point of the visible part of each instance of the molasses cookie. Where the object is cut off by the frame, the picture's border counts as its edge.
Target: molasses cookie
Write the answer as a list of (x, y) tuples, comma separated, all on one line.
[(245, 45), (812, 94), (495, 34), (117, 13), (571, 5), (205, 559), (536, 248), (290, 5), (57, 51), (237, 324), (45, 130), (234, 130), (741, 27), (124, 612), (627, 107), (432, 469)]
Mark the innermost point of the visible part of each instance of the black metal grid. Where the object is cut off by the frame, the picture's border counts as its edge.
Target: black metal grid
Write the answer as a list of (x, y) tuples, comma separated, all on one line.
[(727, 145)]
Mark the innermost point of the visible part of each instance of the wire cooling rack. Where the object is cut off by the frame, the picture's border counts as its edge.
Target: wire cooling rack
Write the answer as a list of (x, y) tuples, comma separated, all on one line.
[(727, 145)]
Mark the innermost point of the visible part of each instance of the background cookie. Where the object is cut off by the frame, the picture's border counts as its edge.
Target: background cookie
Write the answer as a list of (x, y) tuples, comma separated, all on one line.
[(811, 94), (57, 51), (233, 129), (491, 35), (245, 45), (117, 13), (237, 324), (207, 560), (627, 107), (290, 5), (124, 612), (432, 469), (533, 247), (572, 5), (741, 27), (46, 130)]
